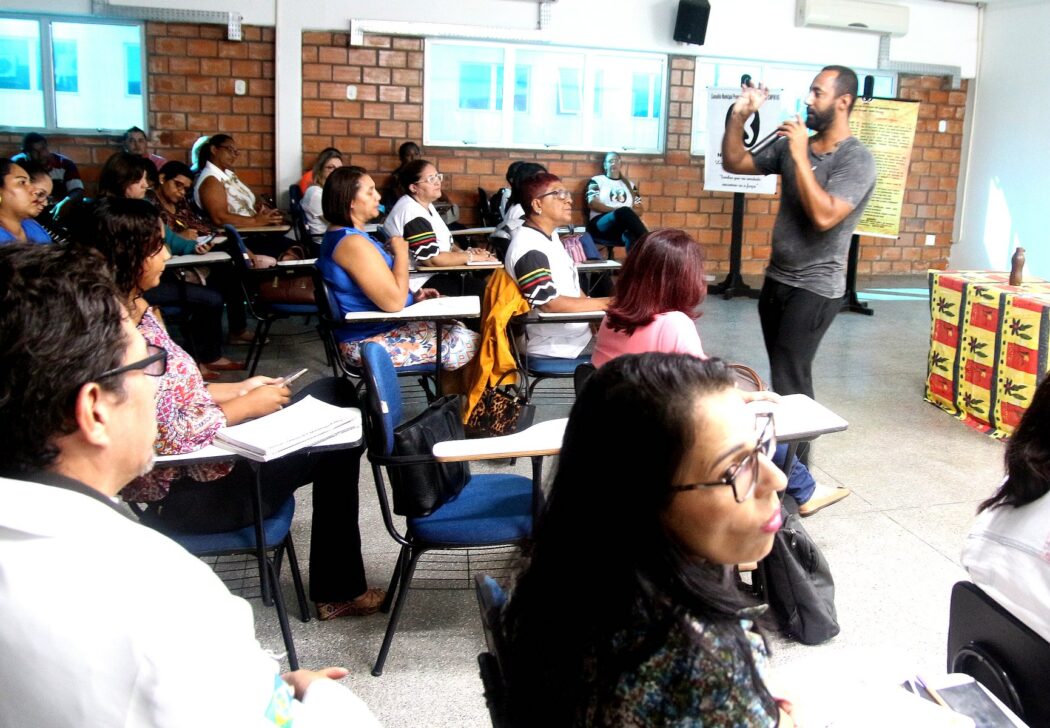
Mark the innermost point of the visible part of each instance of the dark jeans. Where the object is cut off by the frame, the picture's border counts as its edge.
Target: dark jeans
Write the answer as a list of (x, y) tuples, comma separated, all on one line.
[(793, 323), (337, 570), (620, 225), (198, 312), (223, 278)]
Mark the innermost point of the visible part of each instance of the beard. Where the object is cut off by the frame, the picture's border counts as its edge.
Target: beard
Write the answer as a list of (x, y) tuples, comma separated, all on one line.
[(818, 121)]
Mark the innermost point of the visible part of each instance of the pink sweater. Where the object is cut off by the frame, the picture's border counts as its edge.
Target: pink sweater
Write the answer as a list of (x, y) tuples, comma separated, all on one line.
[(672, 333)]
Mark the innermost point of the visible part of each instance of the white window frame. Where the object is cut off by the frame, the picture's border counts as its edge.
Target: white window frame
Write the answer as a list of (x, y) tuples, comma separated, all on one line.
[(47, 74), (586, 97), (698, 130)]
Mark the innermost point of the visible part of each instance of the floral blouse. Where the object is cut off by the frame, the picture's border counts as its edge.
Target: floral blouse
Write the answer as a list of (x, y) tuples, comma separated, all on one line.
[(697, 677), (187, 418)]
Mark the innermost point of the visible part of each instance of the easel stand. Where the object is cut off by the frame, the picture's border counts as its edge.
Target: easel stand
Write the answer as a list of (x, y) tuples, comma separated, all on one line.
[(852, 303), (734, 284)]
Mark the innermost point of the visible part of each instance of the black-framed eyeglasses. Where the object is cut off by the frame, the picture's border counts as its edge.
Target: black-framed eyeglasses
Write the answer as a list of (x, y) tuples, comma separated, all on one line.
[(744, 474), (154, 365), (562, 194), (232, 150)]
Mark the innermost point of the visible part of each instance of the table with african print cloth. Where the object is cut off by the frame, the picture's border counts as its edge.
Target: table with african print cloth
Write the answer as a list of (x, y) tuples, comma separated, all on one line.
[(988, 347)]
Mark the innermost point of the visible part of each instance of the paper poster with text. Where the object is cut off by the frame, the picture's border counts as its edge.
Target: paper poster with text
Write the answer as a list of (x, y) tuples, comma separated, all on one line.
[(759, 125), (887, 128)]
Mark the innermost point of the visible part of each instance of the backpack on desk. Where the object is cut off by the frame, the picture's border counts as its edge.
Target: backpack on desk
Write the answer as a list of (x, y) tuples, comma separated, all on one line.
[(798, 582)]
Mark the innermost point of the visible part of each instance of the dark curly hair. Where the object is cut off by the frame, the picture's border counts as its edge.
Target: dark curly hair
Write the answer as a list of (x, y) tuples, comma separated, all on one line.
[(126, 232), (60, 327)]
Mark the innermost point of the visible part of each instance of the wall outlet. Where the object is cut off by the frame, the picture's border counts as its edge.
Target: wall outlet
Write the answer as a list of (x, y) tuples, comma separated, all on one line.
[(931, 239), (240, 87), (351, 93), (942, 126)]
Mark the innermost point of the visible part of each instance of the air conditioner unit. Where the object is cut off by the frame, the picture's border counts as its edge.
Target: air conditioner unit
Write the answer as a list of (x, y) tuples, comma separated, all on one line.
[(873, 17)]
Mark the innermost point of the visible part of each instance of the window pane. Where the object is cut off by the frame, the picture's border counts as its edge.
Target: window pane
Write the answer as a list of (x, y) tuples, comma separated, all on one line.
[(91, 62), (21, 95), (133, 67), (461, 105), (541, 97), (552, 116)]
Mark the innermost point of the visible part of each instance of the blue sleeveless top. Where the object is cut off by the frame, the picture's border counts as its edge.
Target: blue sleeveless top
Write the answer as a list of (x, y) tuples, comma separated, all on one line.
[(346, 292)]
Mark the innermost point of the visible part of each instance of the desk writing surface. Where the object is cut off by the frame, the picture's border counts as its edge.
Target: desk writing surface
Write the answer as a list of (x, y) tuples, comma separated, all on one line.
[(213, 453), (210, 258), (799, 417), (296, 263), (590, 266), (540, 439), (473, 231), (537, 315), (282, 228), (467, 268), (433, 309)]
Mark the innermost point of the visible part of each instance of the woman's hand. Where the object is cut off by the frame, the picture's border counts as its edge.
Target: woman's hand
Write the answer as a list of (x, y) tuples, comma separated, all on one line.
[(424, 293), (300, 680), (254, 383), (267, 399), (398, 246), (475, 255)]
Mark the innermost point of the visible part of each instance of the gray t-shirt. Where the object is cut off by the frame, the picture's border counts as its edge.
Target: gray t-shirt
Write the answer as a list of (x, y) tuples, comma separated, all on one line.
[(803, 256)]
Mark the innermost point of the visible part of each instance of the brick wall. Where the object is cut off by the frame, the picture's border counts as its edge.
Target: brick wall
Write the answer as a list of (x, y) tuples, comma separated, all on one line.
[(191, 78), (389, 110)]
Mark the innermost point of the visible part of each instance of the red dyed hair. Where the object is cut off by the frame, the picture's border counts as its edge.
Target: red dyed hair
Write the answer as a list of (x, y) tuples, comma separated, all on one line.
[(664, 272), (534, 186)]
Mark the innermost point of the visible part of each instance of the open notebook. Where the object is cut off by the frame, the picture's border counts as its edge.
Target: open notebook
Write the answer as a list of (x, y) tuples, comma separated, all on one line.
[(307, 422)]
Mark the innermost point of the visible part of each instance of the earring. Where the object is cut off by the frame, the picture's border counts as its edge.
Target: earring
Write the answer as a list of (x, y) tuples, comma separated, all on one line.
[(1, 199)]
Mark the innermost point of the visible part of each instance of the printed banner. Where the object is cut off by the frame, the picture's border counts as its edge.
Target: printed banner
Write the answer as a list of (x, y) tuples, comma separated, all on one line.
[(760, 124), (887, 129)]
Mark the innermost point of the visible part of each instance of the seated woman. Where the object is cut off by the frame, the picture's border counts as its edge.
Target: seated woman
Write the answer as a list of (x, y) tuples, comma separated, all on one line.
[(19, 204), (1006, 549), (544, 272), (615, 205), (126, 176), (228, 201), (654, 308), (366, 275), (625, 612), (514, 213), (328, 161), (208, 499), (429, 240)]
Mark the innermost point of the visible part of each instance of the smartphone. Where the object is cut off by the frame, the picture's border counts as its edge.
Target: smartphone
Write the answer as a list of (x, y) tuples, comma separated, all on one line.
[(202, 239), (287, 379)]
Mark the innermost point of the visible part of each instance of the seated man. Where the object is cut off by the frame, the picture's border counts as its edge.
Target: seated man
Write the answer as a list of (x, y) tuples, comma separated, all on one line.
[(106, 622), (64, 173), (136, 142), (545, 273)]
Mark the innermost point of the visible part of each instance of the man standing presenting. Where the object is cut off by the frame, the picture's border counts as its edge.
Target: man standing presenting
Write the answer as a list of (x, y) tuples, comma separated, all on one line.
[(106, 622), (826, 181)]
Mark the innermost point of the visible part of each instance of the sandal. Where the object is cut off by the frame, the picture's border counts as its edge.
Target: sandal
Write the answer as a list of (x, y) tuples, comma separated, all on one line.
[(367, 603)]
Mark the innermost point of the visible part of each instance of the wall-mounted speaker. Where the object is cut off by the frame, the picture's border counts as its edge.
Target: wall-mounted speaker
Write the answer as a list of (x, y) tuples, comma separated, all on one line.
[(691, 24)]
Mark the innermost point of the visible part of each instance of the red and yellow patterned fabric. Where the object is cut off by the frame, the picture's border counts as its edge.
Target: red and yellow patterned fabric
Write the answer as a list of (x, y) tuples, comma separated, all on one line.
[(988, 347)]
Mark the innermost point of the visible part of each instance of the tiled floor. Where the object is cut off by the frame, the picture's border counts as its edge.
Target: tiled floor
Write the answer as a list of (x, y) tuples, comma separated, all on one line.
[(916, 476)]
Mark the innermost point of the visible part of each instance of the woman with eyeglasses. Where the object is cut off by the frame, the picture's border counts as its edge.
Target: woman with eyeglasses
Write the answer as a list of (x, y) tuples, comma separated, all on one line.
[(615, 205), (366, 275), (625, 611), (655, 307), (19, 204), (329, 160), (544, 272), (221, 195), (215, 498), (415, 219)]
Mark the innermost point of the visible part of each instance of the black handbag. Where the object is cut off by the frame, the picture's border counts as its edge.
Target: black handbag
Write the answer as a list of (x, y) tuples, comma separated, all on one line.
[(420, 488), (798, 583), (501, 411)]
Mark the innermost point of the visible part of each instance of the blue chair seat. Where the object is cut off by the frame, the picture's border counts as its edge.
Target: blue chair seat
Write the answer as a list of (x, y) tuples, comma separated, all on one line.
[(292, 309), (491, 509), (556, 367), (275, 529)]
